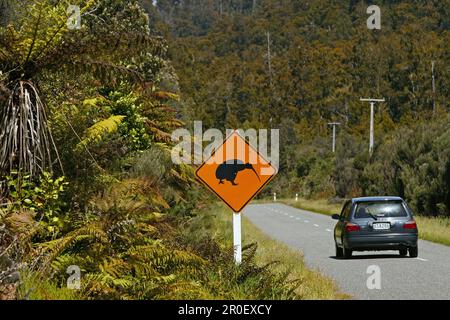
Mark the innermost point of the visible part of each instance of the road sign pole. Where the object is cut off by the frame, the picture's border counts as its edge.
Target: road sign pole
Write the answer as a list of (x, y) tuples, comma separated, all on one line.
[(237, 238)]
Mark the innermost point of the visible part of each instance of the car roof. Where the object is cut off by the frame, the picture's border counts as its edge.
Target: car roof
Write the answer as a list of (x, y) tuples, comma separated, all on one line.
[(386, 198)]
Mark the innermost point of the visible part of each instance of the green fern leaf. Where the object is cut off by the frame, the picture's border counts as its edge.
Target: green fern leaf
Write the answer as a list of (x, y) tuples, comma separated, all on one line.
[(98, 131)]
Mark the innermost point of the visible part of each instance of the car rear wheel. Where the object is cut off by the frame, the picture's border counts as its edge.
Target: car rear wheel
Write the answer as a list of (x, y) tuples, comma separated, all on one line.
[(413, 252), (347, 253), (339, 251), (403, 252)]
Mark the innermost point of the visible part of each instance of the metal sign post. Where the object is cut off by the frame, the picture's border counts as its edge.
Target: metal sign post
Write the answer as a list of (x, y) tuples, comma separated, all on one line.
[(237, 240)]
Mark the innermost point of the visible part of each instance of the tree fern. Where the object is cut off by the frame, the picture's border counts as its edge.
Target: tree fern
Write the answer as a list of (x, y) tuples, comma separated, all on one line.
[(40, 42), (25, 140)]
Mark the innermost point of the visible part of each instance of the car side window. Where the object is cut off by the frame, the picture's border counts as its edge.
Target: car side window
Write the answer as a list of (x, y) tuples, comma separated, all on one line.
[(408, 209), (348, 211)]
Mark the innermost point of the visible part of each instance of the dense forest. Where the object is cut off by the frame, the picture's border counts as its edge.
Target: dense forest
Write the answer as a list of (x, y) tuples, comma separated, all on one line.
[(298, 65), (86, 116)]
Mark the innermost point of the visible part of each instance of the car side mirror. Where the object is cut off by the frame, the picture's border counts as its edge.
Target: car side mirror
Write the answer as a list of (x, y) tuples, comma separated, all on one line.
[(335, 216)]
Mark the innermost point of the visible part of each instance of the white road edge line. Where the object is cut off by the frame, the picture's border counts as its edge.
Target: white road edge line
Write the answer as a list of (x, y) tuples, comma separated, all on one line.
[(328, 230), (306, 221), (316, 225)]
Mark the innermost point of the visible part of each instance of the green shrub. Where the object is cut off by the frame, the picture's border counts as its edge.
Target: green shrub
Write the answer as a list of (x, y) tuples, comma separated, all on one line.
[(41, 195)]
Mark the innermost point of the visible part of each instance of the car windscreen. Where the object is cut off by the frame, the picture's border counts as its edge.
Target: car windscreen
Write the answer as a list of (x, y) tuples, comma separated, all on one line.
[(385, 209)]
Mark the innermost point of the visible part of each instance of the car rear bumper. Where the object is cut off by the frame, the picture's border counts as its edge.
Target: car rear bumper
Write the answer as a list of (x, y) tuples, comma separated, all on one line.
[(381, 241)]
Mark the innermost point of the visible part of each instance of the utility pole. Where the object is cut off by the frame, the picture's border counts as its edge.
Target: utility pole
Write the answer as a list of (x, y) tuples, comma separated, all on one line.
[(334, 124), (372, 107)]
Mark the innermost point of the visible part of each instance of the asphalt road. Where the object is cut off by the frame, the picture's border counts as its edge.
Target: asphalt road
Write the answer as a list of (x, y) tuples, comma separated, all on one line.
[(425, 277)]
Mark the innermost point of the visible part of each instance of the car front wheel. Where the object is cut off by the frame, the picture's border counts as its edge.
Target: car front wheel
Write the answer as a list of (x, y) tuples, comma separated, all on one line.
[(413, 252), (403, 252)]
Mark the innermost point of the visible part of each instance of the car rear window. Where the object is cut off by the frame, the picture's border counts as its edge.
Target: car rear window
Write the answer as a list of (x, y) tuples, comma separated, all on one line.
[(387, 209)]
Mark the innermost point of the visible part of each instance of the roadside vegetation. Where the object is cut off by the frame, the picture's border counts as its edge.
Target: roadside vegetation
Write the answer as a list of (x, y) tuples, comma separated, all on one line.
[(268, 253), (435, 229)]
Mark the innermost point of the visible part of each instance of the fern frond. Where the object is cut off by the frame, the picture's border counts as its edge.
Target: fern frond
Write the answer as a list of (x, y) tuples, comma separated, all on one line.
[(165, 95), (115, 267), (104, 71), (43, 26), (163, 258), (184, 290), (101, 53), (61, 262), (93, 102), (96, 132), (90, 231)]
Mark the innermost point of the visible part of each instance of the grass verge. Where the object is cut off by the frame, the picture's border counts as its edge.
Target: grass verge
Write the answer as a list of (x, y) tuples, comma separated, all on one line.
[(430, 228), (434, 229), (312, 284)]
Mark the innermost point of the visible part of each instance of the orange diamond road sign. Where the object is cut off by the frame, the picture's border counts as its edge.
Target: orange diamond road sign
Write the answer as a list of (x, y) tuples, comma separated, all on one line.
[(236, 172)]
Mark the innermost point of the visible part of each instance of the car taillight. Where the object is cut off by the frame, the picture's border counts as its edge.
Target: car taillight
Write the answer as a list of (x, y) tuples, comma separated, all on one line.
[(351, 227), (410, 225)]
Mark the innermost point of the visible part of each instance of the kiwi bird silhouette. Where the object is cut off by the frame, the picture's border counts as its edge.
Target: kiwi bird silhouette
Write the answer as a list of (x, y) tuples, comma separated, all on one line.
[(229, 170)]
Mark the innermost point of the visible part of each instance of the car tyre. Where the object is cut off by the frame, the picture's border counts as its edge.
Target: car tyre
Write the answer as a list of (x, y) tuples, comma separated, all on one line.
[(403, 252), (339, 252), (347, 253), (413, 252)]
